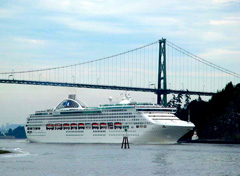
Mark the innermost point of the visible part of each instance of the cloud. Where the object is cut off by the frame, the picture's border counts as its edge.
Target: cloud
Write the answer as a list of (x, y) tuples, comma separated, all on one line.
[(93, 26), (10, 12), (154, 20), (94, 7), (49, 33), (30, 42), (213, 36), (226, 21), (226, 58), (127, 17), (6, 13), (222, 52), (123, 7), (226, 1)]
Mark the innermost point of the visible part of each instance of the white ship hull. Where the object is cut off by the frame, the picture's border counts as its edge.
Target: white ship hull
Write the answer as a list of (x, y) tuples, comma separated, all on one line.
[(154, 134)]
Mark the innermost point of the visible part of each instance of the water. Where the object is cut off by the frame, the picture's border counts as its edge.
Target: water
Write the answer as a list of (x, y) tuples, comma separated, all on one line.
[(108, 159)]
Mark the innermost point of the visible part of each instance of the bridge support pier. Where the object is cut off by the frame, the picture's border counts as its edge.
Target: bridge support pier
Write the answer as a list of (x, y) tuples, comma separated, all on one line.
[(162, 74)]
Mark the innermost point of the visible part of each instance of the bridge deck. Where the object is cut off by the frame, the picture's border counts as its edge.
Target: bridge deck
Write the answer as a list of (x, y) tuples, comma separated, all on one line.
[(62, 84)]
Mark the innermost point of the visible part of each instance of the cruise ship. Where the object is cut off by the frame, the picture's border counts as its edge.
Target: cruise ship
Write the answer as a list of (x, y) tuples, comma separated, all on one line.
[(72, 121)]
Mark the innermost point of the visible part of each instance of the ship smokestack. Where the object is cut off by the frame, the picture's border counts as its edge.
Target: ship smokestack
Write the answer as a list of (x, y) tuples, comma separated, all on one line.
[(72, 96)]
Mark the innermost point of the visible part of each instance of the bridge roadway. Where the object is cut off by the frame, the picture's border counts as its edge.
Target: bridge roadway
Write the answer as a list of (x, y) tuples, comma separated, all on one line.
[(61, 84)]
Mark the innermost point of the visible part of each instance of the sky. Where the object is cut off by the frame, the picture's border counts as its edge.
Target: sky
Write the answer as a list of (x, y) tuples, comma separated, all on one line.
[(41, 34)]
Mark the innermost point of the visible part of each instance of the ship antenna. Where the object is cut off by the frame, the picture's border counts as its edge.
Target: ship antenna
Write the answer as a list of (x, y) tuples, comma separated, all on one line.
[(189, 115), (110, 99)]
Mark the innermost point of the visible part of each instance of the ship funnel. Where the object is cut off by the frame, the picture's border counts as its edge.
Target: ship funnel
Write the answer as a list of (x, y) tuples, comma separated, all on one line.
[(72, 96)]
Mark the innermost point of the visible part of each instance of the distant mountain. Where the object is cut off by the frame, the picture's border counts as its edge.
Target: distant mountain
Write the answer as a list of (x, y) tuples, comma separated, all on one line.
[(8, 126), (18, 133)]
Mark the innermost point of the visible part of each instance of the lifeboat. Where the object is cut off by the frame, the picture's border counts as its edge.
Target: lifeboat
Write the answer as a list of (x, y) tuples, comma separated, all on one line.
[(66, 126), (73, 125), (95, 125), (58, 126), (103, 125), (81, 126), (118, 125), (50, 126)]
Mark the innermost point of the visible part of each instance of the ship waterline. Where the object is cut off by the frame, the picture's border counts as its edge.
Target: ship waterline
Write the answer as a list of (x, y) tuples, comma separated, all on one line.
[(74, 122)]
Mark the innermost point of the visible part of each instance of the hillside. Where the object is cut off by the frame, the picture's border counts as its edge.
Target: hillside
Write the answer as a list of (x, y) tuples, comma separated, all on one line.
[(219, 118), (18, 133)]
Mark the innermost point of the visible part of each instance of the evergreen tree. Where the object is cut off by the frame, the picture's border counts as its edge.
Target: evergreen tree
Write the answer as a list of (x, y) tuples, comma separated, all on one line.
[(173, 102), (187, 99), (218, 118), (19, 132), (199, 98), (179, 101), (10, 132), (170, 104)]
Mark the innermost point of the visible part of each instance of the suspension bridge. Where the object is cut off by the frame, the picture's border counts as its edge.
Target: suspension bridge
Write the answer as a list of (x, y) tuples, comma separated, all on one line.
[(160, 67)]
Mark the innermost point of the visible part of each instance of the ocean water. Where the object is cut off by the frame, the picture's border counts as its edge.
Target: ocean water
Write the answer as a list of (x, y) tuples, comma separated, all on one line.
[(32, 159)]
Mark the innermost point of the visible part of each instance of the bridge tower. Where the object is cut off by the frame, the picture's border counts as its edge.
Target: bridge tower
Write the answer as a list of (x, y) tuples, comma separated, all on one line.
[(162, 74)]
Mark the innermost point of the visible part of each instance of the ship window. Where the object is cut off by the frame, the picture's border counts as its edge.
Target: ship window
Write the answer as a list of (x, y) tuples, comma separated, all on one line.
[(68, 104)]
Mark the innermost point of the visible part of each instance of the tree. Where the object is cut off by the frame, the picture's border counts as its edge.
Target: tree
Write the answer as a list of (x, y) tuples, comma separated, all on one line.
[(10, 132), (179, 101), (172, 102), (199, 98), (187, 99), (176, 101), (19, 132), (218, 118)]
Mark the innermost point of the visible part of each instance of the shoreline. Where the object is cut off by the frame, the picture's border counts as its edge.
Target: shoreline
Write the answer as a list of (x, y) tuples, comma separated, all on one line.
[(4, 152), (210, 141)]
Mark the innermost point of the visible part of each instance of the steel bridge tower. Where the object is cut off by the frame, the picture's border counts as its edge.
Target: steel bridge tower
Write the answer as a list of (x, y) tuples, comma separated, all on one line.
[(162, 74)]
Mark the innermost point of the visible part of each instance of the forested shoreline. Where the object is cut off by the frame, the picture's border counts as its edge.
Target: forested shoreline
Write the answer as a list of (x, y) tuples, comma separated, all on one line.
[(216, 119)]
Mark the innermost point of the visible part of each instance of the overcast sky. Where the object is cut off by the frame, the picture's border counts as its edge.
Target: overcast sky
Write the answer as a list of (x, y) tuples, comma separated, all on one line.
[(41, 34)]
